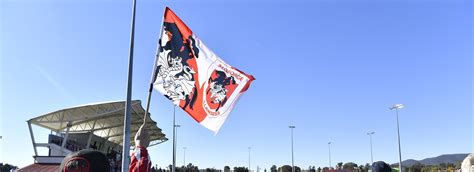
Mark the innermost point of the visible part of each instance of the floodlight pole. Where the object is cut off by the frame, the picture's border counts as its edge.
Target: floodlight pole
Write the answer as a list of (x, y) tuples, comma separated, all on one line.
[(329, 146), (399, 147), (292, 157), (174, 138), (128, 103), (371, 153), (249, 157), (396, 107)]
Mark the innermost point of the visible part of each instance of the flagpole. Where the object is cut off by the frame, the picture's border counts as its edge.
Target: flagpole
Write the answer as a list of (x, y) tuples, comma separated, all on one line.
[(147, 104), (128, 103), (150, 90), (153, 73)]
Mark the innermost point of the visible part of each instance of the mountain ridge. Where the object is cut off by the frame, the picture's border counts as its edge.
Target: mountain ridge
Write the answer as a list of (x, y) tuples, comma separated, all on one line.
[(444, 158)]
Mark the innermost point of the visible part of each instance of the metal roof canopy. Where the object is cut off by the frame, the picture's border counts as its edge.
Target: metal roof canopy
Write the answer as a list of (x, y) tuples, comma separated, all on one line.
[(103, 119)]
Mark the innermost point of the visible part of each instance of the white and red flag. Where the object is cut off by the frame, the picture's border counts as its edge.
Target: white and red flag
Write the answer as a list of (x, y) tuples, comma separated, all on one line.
[(193, 77)]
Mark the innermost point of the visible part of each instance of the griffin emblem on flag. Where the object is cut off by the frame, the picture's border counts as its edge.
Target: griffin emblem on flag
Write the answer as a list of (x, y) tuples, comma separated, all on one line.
[(193, 77)]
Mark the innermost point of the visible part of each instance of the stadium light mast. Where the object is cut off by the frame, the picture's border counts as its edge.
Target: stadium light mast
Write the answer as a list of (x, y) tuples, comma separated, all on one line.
[(396, 107), (292, 157), (249, 157), (371, 153), (329, 146), (175, 133)]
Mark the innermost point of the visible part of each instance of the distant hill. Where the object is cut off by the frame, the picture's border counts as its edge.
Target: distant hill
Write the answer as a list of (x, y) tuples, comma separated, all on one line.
[(448, 158)]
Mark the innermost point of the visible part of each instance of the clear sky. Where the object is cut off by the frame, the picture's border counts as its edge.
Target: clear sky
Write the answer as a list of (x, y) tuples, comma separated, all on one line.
[(330, 67)]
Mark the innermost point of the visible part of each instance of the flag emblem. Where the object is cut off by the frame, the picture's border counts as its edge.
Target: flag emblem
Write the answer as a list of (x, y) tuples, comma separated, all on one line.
[(193, 77)]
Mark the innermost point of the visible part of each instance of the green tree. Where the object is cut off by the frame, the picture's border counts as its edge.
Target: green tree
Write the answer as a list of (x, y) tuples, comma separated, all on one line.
[(7, 167), (226, 169), (339, 165), (443, 165), (312, 169), (361, 168), (241, 169), (416, 167), (288, 168), (273, 168), (458, 165), (349, 166), (285, 168), (191, 168), (210, 170)]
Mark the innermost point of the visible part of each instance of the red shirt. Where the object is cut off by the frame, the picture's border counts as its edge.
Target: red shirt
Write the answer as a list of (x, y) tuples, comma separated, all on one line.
[(140, 161)]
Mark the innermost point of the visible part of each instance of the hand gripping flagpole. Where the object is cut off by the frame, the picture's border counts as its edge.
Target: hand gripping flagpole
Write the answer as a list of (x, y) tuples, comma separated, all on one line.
[(128, 103)]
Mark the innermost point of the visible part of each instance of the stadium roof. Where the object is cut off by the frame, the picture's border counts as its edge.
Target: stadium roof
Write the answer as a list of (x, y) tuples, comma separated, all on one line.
[(103, 119)]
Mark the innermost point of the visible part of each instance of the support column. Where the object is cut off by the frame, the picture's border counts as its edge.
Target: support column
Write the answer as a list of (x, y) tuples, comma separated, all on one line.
[(90, 135), (65, 137), (32, 138)]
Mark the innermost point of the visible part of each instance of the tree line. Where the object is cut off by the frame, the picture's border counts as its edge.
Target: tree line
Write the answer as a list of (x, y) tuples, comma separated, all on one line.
[(7, 167), (348, 166)]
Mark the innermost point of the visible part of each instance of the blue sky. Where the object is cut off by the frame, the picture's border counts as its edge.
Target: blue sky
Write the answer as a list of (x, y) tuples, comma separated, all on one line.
[(331, 68)]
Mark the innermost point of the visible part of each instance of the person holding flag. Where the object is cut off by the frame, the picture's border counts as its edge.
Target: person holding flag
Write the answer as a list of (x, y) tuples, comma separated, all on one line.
[(140, 160), (192, 77), (96, 161)]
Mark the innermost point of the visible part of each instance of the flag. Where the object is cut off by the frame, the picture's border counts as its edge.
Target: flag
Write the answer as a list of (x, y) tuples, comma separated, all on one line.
[(193, 77)]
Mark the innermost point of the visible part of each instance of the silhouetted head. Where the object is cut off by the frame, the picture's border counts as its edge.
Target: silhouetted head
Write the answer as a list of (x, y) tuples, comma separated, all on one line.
[(86, 160), (381, 166)]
